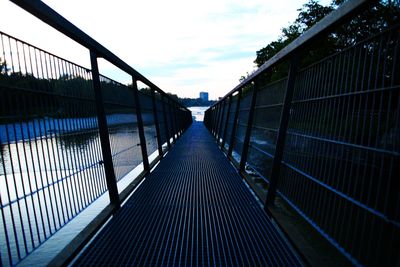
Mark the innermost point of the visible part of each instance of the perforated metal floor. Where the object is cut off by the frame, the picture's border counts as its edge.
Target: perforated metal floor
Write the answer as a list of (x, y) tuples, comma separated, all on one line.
[(192, 210)]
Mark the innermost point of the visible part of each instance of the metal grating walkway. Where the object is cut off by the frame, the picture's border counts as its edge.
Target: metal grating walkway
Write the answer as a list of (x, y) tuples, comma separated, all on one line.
[(192, 210)]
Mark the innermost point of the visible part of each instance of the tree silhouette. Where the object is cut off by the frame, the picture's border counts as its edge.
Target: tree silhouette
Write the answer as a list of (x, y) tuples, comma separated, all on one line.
[(379, 16)]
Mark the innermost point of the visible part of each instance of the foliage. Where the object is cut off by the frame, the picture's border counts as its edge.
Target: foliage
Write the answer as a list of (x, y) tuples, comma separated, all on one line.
[(309, 14), (187, 102), (379, 16), (195, 102)]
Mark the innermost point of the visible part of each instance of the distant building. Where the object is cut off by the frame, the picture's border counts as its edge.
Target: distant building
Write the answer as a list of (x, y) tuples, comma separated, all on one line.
[(204, 96)]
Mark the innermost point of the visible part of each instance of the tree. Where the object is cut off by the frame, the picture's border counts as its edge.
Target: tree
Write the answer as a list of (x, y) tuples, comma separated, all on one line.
[(373, 20), (381, 15), (309, 14)]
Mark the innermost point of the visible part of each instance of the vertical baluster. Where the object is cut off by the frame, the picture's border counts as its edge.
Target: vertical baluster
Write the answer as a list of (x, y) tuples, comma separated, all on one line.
[(139, 118), (156, 122), (104, 136), (217, 120), (221, 120), (249, 126), (177, 130), (226, 122), (171, 117), (234, 126), (166, 124), (280, 142)]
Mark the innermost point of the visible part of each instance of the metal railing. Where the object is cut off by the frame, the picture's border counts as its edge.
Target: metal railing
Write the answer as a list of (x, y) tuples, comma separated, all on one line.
[(325, 136), (69, 134)]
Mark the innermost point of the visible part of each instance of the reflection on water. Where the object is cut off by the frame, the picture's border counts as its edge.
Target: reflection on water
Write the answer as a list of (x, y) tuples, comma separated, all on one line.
[(47, 181)]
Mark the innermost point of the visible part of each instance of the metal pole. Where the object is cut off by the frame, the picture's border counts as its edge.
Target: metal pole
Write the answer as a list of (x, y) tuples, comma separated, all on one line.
[(235, 121), (176, 120), (226, 122), (142, 136), (220, 121), (171, 117), (212, 119), (165, 121), (156, 122), (104, 136), (246, 142), (216, 119), (205, 119), (280, 142), (219, 116)]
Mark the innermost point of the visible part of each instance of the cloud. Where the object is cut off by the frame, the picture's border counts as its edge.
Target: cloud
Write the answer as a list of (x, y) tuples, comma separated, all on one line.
[(183, 46)]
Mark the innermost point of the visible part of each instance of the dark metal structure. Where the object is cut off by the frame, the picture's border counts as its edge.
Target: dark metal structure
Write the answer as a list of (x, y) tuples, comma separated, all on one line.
[(192, 210), (324, 135), (69, 134)]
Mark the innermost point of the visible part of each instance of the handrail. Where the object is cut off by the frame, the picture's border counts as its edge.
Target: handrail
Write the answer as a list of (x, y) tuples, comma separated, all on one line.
[(59, 97), (335, 17), (317, 140), (54, 19)]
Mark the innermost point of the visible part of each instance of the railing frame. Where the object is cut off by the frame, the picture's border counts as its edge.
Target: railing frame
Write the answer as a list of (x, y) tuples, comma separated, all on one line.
[(156, 122), (167, 130), (104, 135), (176, 120), (246, 142), (330, 192), (226, 122), (221, 121), (283, 127), (142, 136), (234, 126), (334, 18)]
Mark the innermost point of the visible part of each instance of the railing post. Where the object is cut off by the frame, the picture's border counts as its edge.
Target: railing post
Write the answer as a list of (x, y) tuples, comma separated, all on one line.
[(104, 135), (165, 121), (226, 122), (220, 121), (156, 122), (176, 120), (179, 120), (246, 142), (172, 118), (210, 119), (173, 108), (235, 121), (176, 128), (142, 136), (216, 119), (283, 126)]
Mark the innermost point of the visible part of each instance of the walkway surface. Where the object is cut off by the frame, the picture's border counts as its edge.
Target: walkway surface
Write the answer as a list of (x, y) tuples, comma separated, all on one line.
[(192, 210)]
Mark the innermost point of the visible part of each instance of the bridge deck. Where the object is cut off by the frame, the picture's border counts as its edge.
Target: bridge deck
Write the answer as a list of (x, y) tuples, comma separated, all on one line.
[(193, 209)]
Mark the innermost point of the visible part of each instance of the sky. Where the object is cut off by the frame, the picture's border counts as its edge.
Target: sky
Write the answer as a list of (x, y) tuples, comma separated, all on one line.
[(182, 46)]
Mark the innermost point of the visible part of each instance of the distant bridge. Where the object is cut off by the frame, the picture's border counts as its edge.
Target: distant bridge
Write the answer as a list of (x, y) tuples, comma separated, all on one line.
[(299, 164)]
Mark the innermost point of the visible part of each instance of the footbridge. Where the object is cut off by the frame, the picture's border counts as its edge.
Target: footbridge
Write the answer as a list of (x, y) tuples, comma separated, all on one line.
[(297, 165)]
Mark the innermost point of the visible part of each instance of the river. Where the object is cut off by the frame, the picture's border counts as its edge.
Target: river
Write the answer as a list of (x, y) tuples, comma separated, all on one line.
[(52, 178)]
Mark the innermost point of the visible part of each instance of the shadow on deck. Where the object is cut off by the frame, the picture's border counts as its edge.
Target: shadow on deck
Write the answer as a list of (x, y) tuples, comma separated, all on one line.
[(193, 209)]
